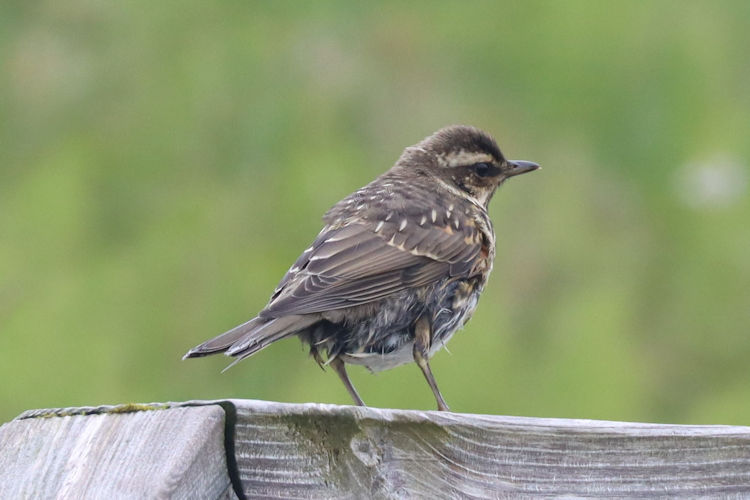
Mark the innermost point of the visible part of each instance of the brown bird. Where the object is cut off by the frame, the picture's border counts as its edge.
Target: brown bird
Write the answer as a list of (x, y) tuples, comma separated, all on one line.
[(398, 267)]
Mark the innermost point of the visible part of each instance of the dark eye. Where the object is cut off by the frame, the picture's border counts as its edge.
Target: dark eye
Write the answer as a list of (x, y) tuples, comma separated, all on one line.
[(482, 169)]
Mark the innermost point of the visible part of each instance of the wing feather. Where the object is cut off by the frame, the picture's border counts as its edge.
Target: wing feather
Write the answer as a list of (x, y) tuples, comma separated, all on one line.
[(355, 264)]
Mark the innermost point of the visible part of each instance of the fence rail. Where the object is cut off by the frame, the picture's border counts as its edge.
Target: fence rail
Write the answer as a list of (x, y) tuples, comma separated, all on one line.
[(248, 449)]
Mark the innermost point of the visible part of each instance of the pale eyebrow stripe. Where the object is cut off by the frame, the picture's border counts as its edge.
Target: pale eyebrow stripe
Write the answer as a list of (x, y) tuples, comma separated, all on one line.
[(466, 158)]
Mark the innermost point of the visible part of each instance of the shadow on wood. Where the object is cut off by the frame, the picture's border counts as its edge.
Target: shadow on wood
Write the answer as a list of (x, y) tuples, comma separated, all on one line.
[(247, 449)]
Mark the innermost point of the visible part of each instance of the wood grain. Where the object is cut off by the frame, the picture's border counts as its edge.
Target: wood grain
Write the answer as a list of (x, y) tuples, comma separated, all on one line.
[(129, 451), (317, 451), (276, 450)]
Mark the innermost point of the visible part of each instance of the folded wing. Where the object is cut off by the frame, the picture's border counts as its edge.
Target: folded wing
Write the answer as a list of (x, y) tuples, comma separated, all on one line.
[(366, 261)]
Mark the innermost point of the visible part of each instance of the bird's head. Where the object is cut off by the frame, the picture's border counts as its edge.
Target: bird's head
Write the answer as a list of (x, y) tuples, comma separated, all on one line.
[(465, 161)]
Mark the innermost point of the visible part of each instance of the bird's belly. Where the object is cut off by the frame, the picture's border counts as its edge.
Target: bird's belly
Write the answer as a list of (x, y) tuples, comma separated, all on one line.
[(447, 320), (377, 362), (393, 345)]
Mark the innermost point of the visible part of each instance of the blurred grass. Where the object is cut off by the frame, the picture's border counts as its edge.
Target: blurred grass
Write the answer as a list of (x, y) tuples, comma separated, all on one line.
[(162, 164)]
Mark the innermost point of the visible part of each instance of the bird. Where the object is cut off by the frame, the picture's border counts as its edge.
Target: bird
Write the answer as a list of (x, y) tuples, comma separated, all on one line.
[(398, 267)]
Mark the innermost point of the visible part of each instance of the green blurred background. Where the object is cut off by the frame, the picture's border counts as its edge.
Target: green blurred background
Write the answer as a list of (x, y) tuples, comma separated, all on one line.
[(163, 163)]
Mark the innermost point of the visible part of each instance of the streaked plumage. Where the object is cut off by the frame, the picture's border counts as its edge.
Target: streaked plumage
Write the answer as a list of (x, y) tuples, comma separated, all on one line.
[(398, 267)]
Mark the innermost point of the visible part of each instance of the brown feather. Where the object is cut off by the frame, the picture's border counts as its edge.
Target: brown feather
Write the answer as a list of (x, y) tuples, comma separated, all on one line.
[(354, 264)]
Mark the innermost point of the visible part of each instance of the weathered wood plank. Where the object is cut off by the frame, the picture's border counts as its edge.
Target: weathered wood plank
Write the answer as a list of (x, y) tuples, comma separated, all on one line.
[(130, 451), (324, 451), (316, 451)]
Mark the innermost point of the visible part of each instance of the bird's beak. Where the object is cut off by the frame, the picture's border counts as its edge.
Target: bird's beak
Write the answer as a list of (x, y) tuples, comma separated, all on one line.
[(518, 167)]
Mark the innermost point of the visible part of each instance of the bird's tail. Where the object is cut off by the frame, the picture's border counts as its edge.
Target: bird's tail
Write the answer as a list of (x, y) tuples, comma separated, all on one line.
[(248, 338)]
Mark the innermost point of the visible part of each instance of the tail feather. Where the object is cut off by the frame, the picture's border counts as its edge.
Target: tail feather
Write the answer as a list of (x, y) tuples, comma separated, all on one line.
[(250, 337), (225, 340)]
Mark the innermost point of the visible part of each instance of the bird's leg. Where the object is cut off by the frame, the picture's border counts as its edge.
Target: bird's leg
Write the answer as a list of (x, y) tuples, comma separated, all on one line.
[(340, 369), (422, 338), (317, 357)]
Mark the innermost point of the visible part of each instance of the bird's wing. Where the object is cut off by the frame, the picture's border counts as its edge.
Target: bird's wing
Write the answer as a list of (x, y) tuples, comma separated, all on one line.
[(366, 261)]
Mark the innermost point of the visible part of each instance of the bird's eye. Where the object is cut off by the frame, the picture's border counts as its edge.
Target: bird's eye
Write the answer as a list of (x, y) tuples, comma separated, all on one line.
[(482, 169)]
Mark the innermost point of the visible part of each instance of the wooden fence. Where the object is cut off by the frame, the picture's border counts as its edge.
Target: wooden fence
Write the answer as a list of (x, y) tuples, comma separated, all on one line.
[(251, 449)]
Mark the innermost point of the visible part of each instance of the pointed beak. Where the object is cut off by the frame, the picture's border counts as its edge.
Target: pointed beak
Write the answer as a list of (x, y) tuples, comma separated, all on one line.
[(518, 167)]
